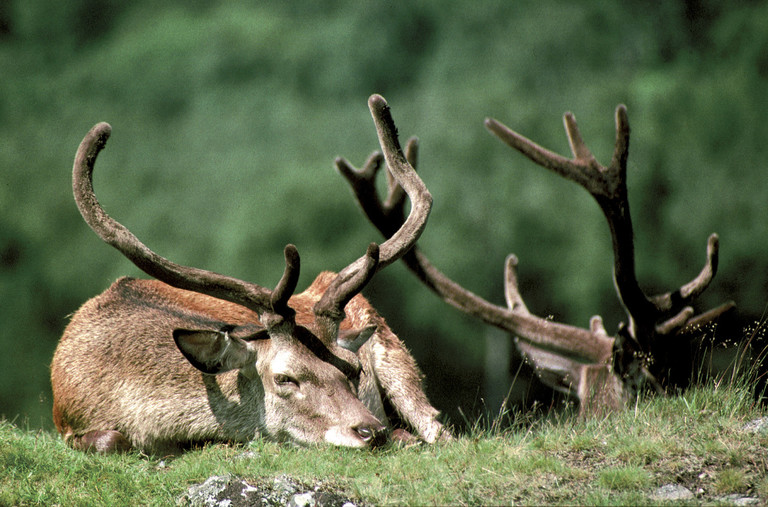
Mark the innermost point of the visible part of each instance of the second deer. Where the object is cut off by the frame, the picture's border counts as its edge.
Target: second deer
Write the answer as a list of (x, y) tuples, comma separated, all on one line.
[(602, 371)]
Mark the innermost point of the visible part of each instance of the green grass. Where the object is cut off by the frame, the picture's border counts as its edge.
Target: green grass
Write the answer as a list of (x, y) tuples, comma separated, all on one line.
[(694, 439)]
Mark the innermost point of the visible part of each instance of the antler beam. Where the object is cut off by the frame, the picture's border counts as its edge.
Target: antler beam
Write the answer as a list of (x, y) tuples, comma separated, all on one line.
[(250, 295)]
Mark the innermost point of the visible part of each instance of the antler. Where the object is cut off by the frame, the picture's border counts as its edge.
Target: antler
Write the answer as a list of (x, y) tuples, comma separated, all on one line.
[(404, 236), (349, 281), (386, 216), (608, 185), (649, 316), (250, 295), (601, 370), (272, 306)]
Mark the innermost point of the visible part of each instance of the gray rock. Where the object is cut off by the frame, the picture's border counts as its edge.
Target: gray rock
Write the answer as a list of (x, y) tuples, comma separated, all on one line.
[(303, 500), (737, 499), (757, 426), (672, 492), (228, 491), (207, 493), (286, 486)]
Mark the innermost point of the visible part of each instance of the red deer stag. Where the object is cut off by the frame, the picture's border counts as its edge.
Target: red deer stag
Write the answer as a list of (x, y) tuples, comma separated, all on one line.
[(602, 371), (196, 356)]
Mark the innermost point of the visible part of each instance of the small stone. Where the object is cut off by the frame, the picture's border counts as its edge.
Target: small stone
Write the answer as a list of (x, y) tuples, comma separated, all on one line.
[(248, 490), (205, 494), (673, 492), (303, 500), (286, 485), (757, 426), (231, 491), (737, 499)]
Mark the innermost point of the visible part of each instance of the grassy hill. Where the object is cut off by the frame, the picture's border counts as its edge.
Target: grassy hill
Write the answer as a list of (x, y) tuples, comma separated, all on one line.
[(700, 440)]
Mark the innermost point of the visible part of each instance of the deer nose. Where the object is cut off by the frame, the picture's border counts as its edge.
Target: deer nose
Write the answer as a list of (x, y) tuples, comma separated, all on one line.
[(372, 434)]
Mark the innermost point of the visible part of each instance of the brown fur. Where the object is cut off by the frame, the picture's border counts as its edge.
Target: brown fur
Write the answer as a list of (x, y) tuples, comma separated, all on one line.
[(119, 380)]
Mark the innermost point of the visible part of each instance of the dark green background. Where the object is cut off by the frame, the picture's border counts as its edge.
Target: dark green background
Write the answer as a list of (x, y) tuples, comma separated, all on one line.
[(227, 118)]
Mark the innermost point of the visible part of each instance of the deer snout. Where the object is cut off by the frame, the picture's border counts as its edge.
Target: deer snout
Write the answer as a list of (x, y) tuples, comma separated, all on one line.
[(372, 434), (364, 434)]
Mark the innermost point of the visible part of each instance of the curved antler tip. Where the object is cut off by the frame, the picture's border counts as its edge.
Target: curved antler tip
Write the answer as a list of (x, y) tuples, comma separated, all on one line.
[(102, 130), (290, 250), (346, 169), (713, 245), (491, 124), (102, 126), (622, 118), (574, 136), (512, 260), (376, 101), (596, 325), (287, 284), (93, 142), (292, 260)]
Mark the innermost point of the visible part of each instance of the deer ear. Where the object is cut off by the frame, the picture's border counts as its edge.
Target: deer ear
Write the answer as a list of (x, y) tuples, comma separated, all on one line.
[(353, 339), (214, 351)]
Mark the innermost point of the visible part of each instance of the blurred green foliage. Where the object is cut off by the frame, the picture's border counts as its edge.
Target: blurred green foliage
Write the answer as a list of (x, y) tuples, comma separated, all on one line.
[(227, 118)]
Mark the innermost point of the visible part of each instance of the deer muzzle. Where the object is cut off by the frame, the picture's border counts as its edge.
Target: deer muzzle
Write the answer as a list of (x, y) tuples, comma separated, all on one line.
[(368, 434)]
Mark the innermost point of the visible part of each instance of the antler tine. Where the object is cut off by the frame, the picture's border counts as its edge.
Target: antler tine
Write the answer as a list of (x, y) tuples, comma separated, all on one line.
[(354, 277), (583, 168), (679, 300), (535, 333), (387, 215), (542, 156), (287, 284), (707, 317), (347, 283), (691, 290), (591, 345), (255, 297), (405, 175), (621, 145), (578, 146), (362, 182), (511, 291)]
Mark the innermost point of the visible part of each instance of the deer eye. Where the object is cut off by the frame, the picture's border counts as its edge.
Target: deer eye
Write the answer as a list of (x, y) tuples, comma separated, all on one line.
[(283, 380)]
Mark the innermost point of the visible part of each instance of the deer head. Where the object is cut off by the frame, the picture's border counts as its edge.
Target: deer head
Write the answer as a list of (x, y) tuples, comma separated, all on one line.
[(247, 360), (602, 371)]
